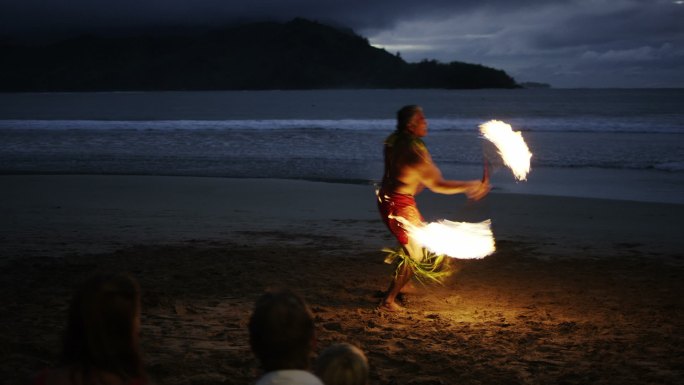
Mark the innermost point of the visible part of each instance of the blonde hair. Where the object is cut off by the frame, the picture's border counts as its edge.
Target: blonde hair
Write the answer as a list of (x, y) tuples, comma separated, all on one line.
[(342, 364)]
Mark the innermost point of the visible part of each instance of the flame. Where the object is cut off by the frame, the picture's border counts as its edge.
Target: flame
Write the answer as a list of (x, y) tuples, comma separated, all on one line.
[(510, 145), (462, 240)]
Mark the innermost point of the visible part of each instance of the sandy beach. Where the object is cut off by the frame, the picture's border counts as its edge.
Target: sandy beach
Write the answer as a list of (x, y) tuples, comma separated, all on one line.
[(579, 290)]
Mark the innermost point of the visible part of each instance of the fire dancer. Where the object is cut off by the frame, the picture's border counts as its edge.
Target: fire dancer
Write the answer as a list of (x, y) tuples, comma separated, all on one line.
[(408, 169)]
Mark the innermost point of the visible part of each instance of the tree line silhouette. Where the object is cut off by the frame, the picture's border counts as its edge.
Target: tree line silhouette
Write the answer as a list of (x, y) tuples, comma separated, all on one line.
[(299, 54)]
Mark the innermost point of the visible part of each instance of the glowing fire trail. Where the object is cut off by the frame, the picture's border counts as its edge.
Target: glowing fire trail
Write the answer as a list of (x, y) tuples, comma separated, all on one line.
[(510, 145), (460, 240), (465, 240)]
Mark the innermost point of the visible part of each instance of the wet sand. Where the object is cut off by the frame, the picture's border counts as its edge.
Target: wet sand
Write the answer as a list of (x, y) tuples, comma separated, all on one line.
[(579, 290)]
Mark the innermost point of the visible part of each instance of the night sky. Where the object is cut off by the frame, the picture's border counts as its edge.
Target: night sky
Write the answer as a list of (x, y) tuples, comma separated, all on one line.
[(567, 43)]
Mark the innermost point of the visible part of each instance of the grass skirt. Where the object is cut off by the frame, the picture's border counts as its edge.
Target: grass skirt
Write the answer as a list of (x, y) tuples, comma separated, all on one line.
[(431, 268)]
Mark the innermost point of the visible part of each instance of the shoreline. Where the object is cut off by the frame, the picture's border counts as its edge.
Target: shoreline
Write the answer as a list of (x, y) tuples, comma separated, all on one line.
[(502, 185)]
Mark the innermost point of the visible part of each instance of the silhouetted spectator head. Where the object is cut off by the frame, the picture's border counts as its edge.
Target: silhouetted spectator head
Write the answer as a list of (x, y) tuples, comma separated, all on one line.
[(281, 331), (102, 333), (342, 364)]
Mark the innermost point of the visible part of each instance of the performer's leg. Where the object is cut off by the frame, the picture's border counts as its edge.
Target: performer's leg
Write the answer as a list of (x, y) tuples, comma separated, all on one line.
[(404, 275), (415, 251)]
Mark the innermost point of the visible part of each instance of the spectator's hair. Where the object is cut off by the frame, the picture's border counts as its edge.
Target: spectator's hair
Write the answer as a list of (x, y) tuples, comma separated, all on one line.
[(281, 331), (102, 332), (342, 364), (404, 116)]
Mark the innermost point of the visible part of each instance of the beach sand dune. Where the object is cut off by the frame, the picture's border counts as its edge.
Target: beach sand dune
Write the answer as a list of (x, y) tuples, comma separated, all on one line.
[(579, 291)]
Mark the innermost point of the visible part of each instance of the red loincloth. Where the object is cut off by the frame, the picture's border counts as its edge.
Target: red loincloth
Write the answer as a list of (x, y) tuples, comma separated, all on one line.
[(399, 205)]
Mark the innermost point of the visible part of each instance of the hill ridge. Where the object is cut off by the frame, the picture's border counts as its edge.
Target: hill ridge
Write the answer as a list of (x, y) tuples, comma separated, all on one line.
[(299, 54)]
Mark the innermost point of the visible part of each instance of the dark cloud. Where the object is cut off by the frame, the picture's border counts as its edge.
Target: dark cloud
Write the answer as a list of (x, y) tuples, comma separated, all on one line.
[(626, 26), (564, 42), (37, 17)]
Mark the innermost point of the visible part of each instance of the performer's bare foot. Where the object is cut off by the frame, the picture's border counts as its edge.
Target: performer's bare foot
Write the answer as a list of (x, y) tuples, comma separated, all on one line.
[(391, 307), (409, 288)]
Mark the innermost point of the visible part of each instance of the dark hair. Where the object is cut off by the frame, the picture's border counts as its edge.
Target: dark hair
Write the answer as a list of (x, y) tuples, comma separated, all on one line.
[(281, 331), (405, 114), (342, 364), (101, 333)]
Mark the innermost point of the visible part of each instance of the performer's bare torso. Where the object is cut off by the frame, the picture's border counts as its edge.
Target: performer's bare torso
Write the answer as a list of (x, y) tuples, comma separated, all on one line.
[(403, 170)]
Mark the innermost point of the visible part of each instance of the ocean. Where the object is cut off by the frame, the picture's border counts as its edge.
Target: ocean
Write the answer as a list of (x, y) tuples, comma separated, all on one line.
[(602, 143)]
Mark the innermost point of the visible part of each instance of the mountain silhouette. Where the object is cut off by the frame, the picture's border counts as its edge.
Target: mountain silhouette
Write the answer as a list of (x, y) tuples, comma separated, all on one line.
[(299, 54)]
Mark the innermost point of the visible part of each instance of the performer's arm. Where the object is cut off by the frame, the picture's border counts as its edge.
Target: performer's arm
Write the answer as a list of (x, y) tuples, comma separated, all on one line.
[(431, 177)]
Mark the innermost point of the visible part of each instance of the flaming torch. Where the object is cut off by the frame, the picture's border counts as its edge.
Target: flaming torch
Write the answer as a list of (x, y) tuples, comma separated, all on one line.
[(460, 240), (510, 145)]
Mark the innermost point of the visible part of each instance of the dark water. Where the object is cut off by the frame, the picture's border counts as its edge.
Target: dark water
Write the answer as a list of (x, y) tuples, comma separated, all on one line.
[(623, 144)]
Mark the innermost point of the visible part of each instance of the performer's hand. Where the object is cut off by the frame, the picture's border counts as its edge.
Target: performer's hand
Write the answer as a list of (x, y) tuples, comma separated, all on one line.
[(479, 190)]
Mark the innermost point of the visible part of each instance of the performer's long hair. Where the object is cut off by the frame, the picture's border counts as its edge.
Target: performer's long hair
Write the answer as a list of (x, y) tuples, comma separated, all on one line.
[(405, 114), (402, 147)]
